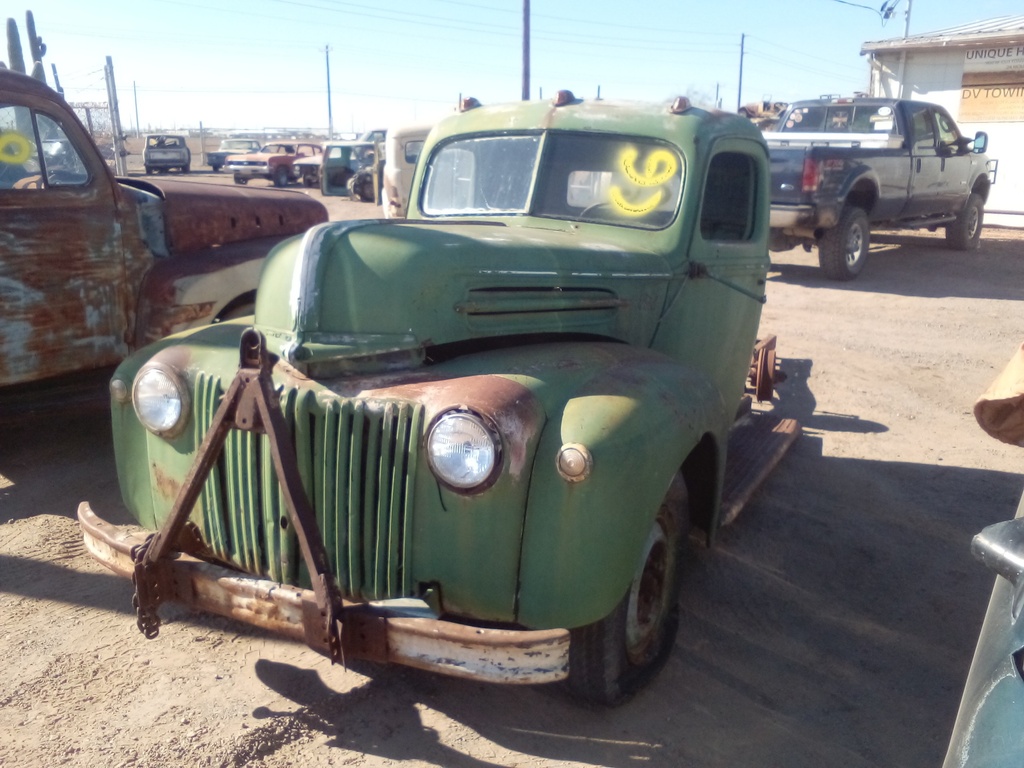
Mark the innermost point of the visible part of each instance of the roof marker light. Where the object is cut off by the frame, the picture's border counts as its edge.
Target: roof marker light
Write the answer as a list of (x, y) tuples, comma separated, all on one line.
[(562, 98), (680, 105)]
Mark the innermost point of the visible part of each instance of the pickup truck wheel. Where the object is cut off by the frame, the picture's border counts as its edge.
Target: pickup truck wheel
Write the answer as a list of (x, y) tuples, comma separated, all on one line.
[(964, 234), (186, 168), (280, 176), (216, 168), (149, 171), (240, 179), (843, 250), (613, 658)]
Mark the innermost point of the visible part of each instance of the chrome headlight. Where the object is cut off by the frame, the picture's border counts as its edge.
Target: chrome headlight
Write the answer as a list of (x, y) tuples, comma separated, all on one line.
[(161, 399), (463, 449)]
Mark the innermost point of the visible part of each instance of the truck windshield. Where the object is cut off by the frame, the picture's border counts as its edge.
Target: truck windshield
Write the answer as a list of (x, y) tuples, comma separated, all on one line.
[(577, 176)]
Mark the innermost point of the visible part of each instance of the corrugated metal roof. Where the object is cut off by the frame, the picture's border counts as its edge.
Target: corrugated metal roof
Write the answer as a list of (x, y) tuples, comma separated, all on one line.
[(1003, 30)]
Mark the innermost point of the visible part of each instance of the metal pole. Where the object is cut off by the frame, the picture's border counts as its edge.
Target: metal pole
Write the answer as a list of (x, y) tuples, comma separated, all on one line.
[(120, 164), (526, 50), (903, 54), (138, 125), (739, 92), (330, 114)]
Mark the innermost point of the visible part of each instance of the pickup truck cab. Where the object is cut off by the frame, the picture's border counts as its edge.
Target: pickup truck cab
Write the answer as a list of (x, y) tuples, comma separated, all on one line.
[(491, 424), (344, 163), (274, 162), (164, 152), (93, 266), (403, 148), (841, 166)]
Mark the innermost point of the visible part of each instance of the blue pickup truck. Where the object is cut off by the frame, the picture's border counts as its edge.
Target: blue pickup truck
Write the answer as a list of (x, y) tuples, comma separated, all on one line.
[(840, 166)]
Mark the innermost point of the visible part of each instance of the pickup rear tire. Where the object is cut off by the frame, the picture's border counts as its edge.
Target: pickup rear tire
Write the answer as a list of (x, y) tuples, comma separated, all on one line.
[(611, 659), (843, 250), (964, 234)]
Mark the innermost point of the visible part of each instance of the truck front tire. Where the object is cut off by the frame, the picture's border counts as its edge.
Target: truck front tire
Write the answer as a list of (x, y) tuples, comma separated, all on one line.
[(281, 176), (613, 658), (964, 234), (843, 250)]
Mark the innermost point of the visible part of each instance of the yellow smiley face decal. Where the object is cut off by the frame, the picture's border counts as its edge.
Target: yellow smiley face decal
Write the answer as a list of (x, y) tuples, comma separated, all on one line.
[(659, 167)]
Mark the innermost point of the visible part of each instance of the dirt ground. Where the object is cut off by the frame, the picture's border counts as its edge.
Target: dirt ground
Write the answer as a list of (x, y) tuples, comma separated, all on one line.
[(831, 625)]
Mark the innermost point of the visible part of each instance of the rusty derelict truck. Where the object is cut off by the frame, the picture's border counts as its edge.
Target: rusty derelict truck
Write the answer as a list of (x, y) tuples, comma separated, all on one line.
[(93, 266), (475, 440)]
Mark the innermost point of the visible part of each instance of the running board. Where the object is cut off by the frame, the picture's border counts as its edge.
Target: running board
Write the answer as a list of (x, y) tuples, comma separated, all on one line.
[(756, 444)]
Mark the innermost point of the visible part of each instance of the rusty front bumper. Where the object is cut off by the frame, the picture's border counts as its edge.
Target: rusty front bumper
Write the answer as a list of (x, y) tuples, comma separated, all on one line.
[(370, 631)]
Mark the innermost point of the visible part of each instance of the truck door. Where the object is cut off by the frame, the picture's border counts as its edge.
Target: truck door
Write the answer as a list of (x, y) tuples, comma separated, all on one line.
[(730, 243), (955, 163), (62, 279), (925, 196)]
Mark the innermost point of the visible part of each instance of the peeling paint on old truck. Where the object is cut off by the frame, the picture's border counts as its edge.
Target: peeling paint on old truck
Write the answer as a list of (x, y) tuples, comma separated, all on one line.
[(92, 266)]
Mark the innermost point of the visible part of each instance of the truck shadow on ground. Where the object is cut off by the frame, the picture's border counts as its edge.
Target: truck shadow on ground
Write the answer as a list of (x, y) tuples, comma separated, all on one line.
[(794, 399), (915, 265)]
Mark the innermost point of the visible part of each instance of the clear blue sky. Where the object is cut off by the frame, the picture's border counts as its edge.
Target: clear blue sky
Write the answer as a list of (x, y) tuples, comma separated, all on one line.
[(261, 63)]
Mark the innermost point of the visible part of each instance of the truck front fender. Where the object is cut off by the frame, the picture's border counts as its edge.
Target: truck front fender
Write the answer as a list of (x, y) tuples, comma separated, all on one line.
[(638, 418), (186, 291)]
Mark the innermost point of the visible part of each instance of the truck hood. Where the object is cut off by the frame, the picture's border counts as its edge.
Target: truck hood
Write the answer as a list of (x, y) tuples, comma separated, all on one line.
[(196, 215), (369, 293)]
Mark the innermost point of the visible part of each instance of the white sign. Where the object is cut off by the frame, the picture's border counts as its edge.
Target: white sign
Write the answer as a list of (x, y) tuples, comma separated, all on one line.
[(1008, 58)]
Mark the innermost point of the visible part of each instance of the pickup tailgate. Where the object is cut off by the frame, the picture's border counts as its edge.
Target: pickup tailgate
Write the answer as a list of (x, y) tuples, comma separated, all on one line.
[(787, 167)]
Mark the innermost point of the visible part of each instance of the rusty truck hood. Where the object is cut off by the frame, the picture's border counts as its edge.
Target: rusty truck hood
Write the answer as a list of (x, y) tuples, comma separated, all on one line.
[(385, 289), (198, 215)]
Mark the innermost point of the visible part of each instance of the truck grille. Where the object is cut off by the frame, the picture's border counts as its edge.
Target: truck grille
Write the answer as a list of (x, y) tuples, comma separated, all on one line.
[(357, 459)]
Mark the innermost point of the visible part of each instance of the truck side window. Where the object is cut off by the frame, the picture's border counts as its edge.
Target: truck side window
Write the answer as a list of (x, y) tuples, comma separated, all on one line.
[(727, 212), (64, 166), (19, 156), (924, 131), (949, 136)]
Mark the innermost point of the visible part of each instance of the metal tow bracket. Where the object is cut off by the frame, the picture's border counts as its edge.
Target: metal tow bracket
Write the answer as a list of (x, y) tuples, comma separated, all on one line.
[(251, 405)]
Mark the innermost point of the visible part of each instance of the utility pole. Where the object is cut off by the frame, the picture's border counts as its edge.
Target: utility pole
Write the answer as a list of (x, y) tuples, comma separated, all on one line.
[(739, 92), (526, 50), (138, 125), (120, 164), (330, 115)]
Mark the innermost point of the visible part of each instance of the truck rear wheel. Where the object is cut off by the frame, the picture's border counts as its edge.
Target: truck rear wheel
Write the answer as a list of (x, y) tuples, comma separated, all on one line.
[(843, 250), (964, 234), (613, 658)]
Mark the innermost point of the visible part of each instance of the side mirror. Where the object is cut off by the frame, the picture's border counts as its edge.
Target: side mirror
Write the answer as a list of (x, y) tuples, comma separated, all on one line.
[(980, 142)]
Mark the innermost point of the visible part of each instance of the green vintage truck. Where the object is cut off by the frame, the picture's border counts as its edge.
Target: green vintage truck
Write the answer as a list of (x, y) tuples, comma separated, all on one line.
[(475, 440)]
